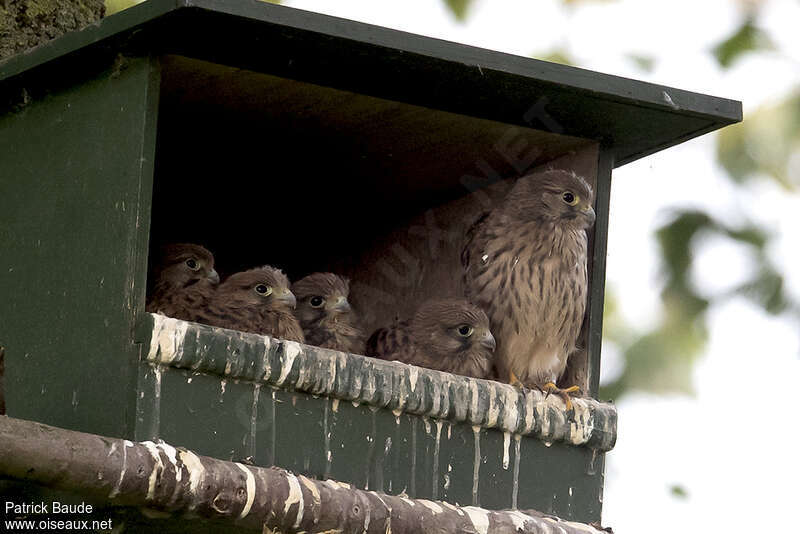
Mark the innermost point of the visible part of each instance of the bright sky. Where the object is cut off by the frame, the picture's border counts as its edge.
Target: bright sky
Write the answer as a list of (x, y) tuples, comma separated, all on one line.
[(734, 447)]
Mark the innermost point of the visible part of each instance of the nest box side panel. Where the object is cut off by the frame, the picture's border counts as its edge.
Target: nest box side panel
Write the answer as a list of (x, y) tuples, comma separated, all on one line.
[(76, 171)]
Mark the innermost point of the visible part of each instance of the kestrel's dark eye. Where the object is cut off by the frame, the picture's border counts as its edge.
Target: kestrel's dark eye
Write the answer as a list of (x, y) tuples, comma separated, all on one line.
[(316, 302), (569, 198), (465, 330), (192, 264), (263, 290)]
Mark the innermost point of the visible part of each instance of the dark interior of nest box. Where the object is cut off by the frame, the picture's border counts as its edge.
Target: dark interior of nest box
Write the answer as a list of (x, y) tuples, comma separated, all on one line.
[(268, 170), (262, 169)]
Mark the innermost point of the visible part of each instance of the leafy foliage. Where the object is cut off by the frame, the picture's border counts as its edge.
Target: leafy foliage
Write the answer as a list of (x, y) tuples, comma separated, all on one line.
[(748, 38), (459, 8)]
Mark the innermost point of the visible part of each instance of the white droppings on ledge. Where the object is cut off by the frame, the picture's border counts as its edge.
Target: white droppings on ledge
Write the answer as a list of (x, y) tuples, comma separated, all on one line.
[(166, 342), (335, 405), (479, 518), (413, 375), (290, 351), (295, 497), (251, 490), (267, 367)]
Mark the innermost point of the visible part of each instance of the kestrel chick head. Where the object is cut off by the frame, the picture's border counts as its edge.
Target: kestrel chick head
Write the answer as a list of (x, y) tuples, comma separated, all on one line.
[(181, 265), (447, 328), (321, 295), (554, 196), (263, 287)]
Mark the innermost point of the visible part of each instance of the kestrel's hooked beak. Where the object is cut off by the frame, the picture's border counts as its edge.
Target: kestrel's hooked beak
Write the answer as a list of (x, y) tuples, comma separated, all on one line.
[(589, 214), (213, 277), (340, 305), (488, 341), (287, 297)]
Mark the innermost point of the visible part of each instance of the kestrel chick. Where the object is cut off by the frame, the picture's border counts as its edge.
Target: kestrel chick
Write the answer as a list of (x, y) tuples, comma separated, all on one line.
[(525, 264), (325, 315), (184, 280), (259, 301), (448, 335)]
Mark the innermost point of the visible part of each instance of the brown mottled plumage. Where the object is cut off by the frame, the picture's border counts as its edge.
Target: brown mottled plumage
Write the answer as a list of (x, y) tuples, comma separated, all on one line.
[(525, 264), (325, 315), (184, 280), (258, 301), (448, 335)]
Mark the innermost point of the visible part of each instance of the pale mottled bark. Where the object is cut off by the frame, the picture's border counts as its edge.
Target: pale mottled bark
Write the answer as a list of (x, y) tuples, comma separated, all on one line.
[(161, 477)]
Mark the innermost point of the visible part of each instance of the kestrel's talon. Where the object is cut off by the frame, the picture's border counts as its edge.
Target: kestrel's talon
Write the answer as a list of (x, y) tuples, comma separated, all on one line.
[(514, 381), (550, 387)]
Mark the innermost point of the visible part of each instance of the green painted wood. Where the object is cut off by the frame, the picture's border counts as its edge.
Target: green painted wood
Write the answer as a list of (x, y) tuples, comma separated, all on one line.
[(605, 164), (76, 171), (327, 414)]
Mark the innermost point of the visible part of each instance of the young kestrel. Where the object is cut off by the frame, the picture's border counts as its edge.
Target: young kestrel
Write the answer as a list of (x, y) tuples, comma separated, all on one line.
[(448, 335), (258, 301), (525, 264), (325, 314), (184, 280)]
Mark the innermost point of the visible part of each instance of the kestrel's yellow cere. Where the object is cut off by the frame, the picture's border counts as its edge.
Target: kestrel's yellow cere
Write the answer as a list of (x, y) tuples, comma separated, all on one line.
[(326, 315), (258, 301)]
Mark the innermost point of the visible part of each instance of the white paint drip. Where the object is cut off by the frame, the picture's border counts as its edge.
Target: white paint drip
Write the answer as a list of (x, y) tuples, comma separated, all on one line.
[(158, 466), (506, 446), (335, 405), (251, 490), (290, 351), (476, 467), (295, 496), (515, 481), (435, 481), (254, 420), (430, 505), (479, 518)]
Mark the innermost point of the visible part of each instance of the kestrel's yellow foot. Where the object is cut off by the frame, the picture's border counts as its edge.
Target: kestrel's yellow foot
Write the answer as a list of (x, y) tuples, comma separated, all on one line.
[(563, 393), (514, 381)]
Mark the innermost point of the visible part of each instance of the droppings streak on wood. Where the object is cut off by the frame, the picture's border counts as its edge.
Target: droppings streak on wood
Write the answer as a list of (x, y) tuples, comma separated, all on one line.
[(397, 387)]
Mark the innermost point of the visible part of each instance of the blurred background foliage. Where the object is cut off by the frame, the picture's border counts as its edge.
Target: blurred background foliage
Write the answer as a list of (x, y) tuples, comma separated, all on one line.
[(766, 146)]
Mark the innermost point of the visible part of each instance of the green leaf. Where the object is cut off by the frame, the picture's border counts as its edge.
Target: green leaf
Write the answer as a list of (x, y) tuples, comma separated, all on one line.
[(764, 144), (644, 63), (459, 8), (747, 38), (678, 491)]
